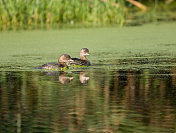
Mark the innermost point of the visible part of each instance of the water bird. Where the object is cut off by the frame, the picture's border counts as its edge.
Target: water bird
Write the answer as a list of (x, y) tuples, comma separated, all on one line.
[(61, 65), (83, 61)]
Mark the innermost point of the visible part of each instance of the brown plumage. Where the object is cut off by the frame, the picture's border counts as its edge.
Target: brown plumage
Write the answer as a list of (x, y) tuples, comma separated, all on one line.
[(83, 61), (62, 63)]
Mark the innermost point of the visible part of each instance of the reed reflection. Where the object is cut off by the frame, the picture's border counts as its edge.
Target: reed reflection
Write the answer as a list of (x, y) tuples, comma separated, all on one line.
[(111, 101)]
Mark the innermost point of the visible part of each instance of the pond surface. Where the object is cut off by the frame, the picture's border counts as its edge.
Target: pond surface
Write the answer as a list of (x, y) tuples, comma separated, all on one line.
[(130, 87)]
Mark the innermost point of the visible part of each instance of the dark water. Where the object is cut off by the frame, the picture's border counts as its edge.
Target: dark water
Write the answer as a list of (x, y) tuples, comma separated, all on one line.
[(130, 87), (91, 100)]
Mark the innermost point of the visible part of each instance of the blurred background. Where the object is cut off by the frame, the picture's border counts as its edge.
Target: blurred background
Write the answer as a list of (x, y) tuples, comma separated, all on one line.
[(31, 14)]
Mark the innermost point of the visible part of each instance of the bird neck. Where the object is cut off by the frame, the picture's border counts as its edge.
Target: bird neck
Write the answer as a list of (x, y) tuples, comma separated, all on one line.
[(83, 57)]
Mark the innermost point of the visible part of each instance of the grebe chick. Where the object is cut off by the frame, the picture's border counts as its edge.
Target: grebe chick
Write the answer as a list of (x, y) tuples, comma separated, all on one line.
[(62, 63), (83, 61)]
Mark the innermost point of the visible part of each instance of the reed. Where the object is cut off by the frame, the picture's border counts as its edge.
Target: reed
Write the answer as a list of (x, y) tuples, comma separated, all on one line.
[(50, 12)]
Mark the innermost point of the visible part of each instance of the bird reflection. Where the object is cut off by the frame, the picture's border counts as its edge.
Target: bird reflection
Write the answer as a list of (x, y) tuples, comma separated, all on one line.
[(64, 79), (83, 79)]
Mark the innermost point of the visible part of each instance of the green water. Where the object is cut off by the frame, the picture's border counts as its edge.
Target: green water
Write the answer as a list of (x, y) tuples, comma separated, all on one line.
[(130, 87)]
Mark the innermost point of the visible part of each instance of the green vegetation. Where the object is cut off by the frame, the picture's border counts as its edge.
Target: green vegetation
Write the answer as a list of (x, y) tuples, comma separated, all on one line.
[(25, 12), (24, 50), (41, 13)]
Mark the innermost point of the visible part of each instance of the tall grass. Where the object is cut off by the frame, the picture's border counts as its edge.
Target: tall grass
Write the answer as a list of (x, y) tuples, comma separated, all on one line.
[(42, 13), (51, 12)]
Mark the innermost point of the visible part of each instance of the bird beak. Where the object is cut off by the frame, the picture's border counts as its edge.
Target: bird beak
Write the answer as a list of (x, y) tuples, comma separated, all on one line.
[(86, 54)]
